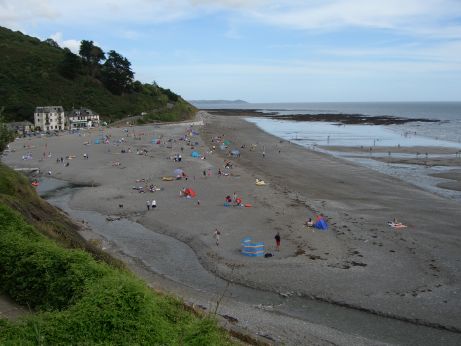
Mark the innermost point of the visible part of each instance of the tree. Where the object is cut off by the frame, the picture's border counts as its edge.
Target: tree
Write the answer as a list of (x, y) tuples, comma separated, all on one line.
[(91, 55), (51, 42), (116, 73), (85, 50), (6, 136), (71, 65)]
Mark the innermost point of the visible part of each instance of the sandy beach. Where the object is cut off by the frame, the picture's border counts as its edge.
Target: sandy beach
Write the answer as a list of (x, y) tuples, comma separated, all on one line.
[(413, 274)]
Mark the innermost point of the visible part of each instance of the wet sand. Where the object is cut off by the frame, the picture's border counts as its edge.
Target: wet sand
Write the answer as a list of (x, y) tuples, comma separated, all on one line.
[(412, 274), (454, 180), (421, 151)]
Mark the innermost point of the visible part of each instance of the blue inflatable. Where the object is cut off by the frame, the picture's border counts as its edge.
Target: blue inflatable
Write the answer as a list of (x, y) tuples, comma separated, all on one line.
[(252, 249), (195, 154), (321, 224)]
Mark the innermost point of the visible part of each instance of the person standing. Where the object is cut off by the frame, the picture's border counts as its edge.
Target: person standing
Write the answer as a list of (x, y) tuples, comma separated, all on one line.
[(148, 205), (216, 235), (277, 241), (154, 204)]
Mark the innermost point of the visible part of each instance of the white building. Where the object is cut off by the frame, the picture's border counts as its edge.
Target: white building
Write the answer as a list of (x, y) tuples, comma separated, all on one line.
[(50, 118), (82, 118)]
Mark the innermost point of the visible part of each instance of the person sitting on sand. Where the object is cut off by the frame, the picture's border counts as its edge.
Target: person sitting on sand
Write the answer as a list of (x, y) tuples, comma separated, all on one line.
[(309, 222)]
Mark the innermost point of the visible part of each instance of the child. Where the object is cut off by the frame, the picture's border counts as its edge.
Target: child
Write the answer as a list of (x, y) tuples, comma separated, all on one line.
[(216, 234)]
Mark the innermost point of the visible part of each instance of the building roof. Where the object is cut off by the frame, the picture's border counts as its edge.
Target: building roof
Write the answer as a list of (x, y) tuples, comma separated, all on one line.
[(81, 112), (49, 109), (20, 123)]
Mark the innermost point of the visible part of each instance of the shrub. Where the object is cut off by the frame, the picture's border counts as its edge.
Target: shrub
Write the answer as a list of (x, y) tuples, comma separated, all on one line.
[(35, 271), (83, 301)]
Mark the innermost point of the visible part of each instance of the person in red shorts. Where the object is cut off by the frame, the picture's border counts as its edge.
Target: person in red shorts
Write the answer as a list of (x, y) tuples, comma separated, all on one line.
[(277, 241)]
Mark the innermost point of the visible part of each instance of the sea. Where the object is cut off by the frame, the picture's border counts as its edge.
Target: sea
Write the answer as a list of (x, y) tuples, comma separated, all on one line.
[(446, 132)]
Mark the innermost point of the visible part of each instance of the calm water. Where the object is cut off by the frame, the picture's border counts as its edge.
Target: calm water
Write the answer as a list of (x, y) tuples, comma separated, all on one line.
[(449, 114), (444, 133), (428, 110)]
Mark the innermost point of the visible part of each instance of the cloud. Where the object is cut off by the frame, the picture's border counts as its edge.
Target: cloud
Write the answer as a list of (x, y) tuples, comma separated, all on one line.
[(439, 18), (14, 14), (410, 16), (73, 45)]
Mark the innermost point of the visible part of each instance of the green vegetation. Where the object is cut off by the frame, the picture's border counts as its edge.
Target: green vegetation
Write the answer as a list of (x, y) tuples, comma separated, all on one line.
[(77, 299), (6, 136), (18, 194), (35, 73)]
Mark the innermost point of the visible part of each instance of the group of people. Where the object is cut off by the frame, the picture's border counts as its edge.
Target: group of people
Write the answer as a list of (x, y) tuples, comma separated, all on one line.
[(152, 204), (234, 200)]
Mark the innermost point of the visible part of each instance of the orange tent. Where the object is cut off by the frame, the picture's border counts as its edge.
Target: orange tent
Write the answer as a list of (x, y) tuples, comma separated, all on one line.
[(190, 192)]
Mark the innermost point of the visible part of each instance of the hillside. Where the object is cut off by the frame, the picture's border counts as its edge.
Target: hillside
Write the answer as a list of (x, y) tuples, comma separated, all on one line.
[(75, 297), (31, 74)]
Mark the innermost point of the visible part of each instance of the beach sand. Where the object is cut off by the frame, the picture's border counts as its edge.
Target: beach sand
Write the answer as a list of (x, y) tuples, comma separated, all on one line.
[(360, 261)]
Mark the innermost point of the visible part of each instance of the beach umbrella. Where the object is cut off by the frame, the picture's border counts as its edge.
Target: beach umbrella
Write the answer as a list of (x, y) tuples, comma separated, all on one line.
[(235, 152), (178, 171), (226, 142)]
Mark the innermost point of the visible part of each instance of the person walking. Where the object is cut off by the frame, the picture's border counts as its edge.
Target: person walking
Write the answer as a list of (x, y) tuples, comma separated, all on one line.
[(277, 241), (154, 204), (148, 205), (216, 235)]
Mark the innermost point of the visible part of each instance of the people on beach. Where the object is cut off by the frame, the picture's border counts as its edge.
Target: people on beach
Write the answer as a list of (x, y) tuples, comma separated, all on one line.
[(277, 241), (217, 235), (309, 222), (148, 205)]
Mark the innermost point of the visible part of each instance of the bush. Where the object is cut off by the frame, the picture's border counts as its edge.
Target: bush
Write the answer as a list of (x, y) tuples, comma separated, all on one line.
[(38, 273), (83, 301)]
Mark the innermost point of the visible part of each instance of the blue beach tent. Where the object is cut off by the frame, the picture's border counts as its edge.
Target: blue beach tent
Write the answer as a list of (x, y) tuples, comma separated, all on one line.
[(195, 154), (235, 153), (321, 224)]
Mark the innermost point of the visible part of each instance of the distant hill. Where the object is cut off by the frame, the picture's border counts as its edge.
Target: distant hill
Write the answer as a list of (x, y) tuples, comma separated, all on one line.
[(36, 73)]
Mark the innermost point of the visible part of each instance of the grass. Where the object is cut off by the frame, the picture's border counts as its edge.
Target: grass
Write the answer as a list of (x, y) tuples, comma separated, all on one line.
[(79, 299), (18, 194)]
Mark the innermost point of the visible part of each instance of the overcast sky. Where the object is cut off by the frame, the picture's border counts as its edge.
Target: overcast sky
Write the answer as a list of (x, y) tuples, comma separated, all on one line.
[(267, 50)]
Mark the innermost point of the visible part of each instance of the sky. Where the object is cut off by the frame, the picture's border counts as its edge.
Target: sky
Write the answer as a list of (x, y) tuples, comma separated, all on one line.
[(267, 50)]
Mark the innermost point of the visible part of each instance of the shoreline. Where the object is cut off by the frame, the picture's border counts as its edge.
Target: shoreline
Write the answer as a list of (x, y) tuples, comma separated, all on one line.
[(295, 178), (339, 118)]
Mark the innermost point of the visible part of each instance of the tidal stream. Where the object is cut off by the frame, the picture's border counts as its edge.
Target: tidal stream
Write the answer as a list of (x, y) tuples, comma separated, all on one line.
[(176, 261)]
